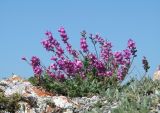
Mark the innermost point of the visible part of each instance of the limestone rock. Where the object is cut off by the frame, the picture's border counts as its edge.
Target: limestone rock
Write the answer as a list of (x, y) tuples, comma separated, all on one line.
[(37, 100), (34, 99), (156, 75)]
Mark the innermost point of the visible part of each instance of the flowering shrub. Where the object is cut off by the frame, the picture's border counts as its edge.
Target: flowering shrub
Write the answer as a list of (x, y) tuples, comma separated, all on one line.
[(84, 64)]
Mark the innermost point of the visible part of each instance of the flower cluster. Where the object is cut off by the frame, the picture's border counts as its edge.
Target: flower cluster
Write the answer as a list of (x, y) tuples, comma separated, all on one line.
[(51, 44), (84, 45), (96, 39), (62, 67), (123, 59), (64, 38), (106, 51), (107, 64), (145, 64), (36, 65), (132, 47), (63, 34)]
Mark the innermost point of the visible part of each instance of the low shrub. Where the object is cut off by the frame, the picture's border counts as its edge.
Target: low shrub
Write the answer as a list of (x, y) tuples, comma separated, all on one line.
[(79, 73)]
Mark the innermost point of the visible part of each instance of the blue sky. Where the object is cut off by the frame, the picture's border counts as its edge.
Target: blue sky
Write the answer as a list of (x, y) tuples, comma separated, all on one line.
[(23, 24)]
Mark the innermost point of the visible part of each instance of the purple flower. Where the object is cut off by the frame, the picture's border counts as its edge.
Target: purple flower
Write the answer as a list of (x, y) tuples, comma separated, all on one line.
[(118, 57), (61, 30), (51, 74), (97, 38), (63, 34), (65, 39), (37, 70), (78, 65), (35, 61), (109, 73), (84, 45), (132, 47), (53, 66), (100, 67), (131, 44), (53, 58), (105, 65), (145, 64), (59, 51), (119, 74), (69, 48), (127, 62), (92, 58), (61, 76), (71, 51), (106, 51), (24, 58), (48, 33), (127, 54), (50, 44)]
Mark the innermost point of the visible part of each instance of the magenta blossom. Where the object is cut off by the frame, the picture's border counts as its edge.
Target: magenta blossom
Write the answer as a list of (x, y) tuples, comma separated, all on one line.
[(109, 73), (35, 61), (24, 58), (51, 74), (59, 51), (61, 76), (106, 51), (132, 47), (78, 65), (119, 74), (97, 38), (63, 34), (84, 45), (37, 70), (53, 66), (65, 38), (104, 64), (145, 64), (131, 44), (53, 58), (127, 54), (92, 59), (118, 57)]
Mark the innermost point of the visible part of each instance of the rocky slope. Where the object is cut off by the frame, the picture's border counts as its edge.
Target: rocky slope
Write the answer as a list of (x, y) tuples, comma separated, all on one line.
[(37, 100)]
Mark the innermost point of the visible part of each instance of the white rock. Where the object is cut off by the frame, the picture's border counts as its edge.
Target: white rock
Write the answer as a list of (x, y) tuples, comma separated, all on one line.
[(3, 82), (156, 75), (62, 102), (68, 111)]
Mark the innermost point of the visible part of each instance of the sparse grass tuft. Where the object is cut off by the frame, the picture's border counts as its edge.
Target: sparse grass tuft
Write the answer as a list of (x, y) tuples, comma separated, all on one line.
[(9, 104)]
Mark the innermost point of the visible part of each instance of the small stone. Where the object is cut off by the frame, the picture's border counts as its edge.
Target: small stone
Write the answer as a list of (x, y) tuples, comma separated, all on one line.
[(68, 111), (62, 102)]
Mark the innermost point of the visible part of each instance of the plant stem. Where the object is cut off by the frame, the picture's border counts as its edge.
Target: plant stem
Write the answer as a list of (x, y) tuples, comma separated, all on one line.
[(95, 49), (130, 66)]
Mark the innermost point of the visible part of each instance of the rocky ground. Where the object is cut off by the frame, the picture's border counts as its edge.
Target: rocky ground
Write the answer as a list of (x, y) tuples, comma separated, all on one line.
[(37, 100)]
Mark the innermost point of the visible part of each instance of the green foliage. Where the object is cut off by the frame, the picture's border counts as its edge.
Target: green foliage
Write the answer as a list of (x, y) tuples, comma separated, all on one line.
[(76, 87), (138, 96), (9, 104)]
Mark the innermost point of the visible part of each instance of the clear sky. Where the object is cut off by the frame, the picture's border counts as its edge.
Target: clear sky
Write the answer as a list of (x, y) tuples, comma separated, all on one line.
[(23, 24)]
